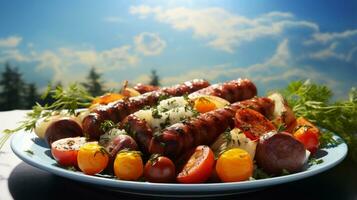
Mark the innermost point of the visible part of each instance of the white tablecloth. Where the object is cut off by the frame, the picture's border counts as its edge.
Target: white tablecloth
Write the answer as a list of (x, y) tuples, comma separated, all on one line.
[(8, 160)]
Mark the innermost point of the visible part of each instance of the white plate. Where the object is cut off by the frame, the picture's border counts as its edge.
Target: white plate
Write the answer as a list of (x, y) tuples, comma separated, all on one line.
[(21, 142)]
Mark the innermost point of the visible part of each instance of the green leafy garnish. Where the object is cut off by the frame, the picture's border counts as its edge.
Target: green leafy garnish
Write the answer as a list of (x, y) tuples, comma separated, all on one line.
[(107, 125), (314, 161), (314, 102), (70, 99), (260, 174), (29, 152)]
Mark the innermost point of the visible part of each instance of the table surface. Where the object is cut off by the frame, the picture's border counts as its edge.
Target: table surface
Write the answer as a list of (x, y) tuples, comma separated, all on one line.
[(19, 180)]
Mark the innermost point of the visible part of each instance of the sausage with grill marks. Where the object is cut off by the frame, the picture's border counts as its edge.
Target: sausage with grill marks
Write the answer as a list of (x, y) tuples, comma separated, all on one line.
[(232, 91), (202, 130), (235, 90), (118, 110), (144, 88)]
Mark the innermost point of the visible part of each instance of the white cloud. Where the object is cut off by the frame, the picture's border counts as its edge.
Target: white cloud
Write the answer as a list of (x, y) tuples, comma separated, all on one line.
[(279, 14), (13, 54), (149, 44), (11, 41), (351, 54), (281, 56), (275, 71), (64, 61), (143, 78), (331, 37), (329, 52), (223, 30), (280, 60)]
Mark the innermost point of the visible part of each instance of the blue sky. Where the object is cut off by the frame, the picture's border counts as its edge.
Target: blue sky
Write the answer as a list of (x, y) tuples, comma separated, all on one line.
[(270, 42)]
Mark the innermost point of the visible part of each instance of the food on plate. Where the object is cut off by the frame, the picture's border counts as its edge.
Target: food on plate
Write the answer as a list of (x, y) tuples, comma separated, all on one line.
[(199, 166), (206, 103), (188, 133), (118, 110), (232, 91), (307, 134), (42, 125), (62, 128), (252, 123), (280, 152), (202, 130), (234, 165), (128, 165), (234, 138), (92, 158), (65, 150), (144, 88), (283, 114), (160, 169), (107, 98)]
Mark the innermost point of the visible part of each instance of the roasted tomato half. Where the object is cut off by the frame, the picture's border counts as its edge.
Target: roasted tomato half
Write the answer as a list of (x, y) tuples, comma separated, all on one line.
[(308, 134), (65, 150), (159, 169), (199, 167), (253, 123)]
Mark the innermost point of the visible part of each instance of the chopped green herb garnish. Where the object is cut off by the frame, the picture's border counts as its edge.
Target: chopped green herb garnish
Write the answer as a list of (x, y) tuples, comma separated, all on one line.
[(281, 127), (163, 97), (107, 125), (156, 114), (29, 152), (314, 161), (260, 174)]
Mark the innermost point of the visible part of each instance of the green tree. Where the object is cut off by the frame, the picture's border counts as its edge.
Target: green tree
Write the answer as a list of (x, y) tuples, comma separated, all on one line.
[(154, 78), (12, 89), (94, 85), (31, 96)]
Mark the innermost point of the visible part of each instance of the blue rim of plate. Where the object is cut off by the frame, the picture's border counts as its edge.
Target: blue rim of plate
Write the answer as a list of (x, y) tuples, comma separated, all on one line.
[(23, 141)]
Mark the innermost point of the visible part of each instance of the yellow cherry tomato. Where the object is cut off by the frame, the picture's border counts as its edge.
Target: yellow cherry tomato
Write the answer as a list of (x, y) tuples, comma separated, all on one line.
[(203, 105), (128, 165), (107, 98), (234, 165), (92, 158)]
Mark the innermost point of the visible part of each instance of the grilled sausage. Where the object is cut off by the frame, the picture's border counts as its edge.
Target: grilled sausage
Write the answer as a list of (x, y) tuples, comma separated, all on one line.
[(143, 88), (232, 91), (118, 110), (202, 130), (141, 131)]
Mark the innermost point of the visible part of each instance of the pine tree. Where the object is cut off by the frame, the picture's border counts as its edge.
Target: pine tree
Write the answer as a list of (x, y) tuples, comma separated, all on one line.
[(31, 96), (154, 78), (94, 85), (12, 89)]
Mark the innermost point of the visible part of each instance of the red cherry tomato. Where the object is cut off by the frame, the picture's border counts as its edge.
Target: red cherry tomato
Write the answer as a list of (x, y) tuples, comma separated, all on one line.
[(199, 167), (252, 123), (160, 170), (307, 134), (65, 150)]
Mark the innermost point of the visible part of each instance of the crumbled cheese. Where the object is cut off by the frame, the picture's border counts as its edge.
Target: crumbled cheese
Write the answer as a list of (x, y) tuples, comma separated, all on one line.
[(168, 112)]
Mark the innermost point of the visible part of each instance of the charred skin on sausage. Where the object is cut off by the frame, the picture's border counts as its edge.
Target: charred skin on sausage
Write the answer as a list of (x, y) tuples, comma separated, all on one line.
[(118, 110), (235, 90), (203, 130)]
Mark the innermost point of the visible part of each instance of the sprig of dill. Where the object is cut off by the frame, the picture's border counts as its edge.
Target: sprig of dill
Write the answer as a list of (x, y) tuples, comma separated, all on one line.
[(314, 102), (69, 99)]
